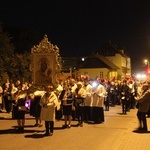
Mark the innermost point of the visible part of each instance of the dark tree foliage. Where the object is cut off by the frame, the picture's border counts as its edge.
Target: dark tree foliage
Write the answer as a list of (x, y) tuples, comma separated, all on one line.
[(21, 67), (13, 65), (6, 54), (23, 38)]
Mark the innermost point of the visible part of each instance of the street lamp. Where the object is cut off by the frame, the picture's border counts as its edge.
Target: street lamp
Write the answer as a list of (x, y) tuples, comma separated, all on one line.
[(147, 63)]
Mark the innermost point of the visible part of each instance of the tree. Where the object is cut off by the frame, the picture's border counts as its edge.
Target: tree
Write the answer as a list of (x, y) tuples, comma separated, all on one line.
[(21, 69), (14, 64), (23, 38), (6, 54)]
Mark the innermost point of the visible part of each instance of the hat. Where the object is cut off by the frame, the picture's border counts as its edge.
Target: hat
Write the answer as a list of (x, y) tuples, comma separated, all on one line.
[(60, 79), (102, 80), (130, 81), (108, 82), (69, 77)]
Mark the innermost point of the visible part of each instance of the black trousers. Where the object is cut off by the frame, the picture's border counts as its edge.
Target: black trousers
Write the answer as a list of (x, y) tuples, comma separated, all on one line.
[(133, 102), (106, 103), (80, 113), (113, 99), (124, 106), (49, 125), (142, 119), (8, 104)]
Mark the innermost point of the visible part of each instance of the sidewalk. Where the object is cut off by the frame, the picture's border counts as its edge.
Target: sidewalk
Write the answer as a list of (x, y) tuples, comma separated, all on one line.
[(116, 133), (134, 140), (131, 139)]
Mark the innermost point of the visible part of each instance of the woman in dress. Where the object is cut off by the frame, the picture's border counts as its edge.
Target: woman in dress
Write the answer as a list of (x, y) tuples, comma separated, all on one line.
[(143, 100), (79, 95), (34, 95), (66, 98), (20, 109)]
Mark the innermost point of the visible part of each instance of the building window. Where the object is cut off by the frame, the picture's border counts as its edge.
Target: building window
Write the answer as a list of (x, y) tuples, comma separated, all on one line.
[(101, 74)]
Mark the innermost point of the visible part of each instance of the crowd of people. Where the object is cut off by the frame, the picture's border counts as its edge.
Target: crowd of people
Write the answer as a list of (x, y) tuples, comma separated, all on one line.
[(79, 99)]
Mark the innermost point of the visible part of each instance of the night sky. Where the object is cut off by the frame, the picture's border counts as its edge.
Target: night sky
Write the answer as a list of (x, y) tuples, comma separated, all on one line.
[(80, 27)]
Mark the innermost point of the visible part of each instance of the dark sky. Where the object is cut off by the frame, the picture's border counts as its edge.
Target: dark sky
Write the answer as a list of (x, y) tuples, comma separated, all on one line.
[(84, 25)]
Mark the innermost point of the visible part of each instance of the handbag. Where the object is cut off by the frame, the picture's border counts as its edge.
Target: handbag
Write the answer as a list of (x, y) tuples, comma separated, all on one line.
[(22, 108), (9, 97), (79, 100)]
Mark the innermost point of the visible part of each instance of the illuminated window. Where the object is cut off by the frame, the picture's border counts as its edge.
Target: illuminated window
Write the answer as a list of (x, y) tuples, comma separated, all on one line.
[(101, 74), (85, 73)]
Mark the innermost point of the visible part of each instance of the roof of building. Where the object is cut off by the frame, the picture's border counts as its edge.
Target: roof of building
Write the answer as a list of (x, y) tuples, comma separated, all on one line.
[(108, 49), (106, 61), (97, 61)]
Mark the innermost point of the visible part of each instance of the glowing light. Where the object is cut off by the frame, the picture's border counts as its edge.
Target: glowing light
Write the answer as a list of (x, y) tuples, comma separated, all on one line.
[(141, 76), (83, 59), (94, 84), (26, 104)]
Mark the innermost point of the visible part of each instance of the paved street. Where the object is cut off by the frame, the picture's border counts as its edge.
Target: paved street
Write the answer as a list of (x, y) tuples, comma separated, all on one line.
[(116, 133)]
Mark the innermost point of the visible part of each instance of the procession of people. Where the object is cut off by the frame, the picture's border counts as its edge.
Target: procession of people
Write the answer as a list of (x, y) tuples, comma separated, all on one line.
[(82, 100)]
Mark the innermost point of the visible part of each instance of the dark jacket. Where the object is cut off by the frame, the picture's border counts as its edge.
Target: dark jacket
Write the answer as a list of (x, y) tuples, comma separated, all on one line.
[(144, 101)]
